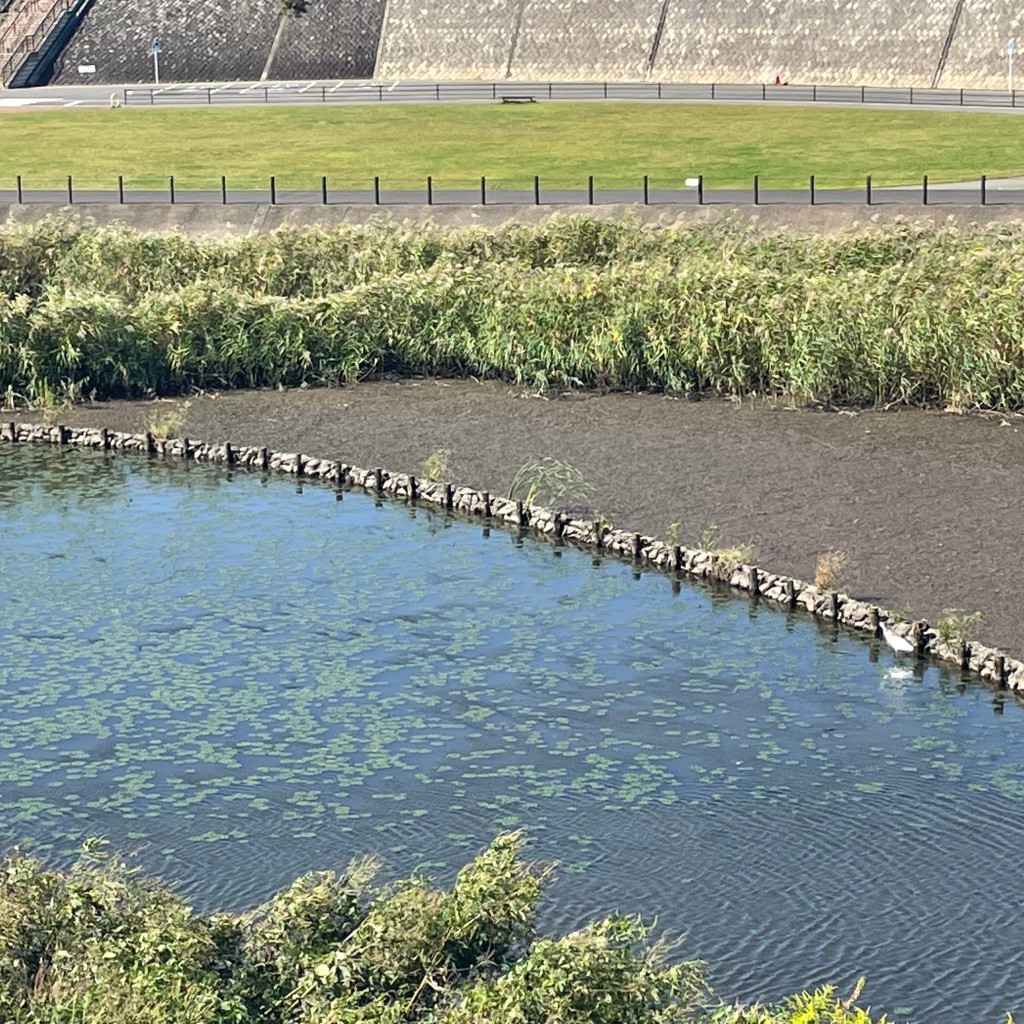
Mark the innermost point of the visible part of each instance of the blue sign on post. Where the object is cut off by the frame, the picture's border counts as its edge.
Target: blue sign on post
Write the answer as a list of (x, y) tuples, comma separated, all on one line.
[(155, 46)]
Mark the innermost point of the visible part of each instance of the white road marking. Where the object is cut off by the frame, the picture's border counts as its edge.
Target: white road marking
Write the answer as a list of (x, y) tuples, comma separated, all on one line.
[(306, 88)]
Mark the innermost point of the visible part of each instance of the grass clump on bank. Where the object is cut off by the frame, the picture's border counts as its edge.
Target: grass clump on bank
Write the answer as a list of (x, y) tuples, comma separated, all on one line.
[(98, 945), (913, 315)]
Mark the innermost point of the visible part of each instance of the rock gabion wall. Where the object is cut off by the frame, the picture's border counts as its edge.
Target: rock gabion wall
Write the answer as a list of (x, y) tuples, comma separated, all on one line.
[(988, 664), (200, 41), (332, 39), (849, 42), (466, 39), (585, 39)]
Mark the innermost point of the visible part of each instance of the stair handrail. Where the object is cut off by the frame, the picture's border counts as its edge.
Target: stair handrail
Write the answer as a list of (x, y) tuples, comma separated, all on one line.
[(32, 41)]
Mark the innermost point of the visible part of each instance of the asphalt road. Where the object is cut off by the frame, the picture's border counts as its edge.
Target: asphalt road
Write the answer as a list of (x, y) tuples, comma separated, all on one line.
[(354, 92)]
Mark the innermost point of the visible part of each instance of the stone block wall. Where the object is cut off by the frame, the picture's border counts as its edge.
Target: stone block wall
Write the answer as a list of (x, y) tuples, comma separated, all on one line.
[(332, 39), (845, 42), (585, 39), (200, 40), (465, 39)]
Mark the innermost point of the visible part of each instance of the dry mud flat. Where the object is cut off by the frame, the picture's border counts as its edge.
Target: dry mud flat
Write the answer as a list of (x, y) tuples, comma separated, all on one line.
[(926, 506)]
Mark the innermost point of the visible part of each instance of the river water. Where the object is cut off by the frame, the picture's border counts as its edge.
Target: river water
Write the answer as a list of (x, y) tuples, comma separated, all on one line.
[(242, 679)]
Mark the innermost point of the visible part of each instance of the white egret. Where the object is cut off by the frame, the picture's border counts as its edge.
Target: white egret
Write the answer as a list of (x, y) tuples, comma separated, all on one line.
[(899, 644)]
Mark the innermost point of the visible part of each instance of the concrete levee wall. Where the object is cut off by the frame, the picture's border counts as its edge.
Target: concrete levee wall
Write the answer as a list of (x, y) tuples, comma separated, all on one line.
[(585, 39), (212, 40), (427, 39), (847, 42), (332, 39)]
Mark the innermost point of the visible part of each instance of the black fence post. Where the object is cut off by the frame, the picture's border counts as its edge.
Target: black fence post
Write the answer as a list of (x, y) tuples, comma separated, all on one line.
[(71, 192), (209, 97), (647, 191), (536, 190), (323, 190), (430, 191), (924, 190), (483, 190), (659, 90), (170, 188), (223, 191), (376, 191), (590, 190), (757, 190), (19, 190), (812, 190), (700, 189), (867, 189), (273, 190), (984, 190), (606, 90), (120, 190), (494, 90)]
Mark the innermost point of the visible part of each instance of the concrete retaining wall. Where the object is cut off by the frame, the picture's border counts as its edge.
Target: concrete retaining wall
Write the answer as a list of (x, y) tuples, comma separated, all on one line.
[(988, 664), (849, 42), (215, 40), (977, 57), (427, 39), (586, 40), (332, 39)]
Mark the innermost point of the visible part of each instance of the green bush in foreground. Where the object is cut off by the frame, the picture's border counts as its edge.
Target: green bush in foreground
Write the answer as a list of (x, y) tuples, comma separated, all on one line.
[(99, 945), (904, 314)]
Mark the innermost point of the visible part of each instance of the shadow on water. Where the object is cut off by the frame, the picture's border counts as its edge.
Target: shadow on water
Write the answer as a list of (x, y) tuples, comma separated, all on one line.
[(245, 678)]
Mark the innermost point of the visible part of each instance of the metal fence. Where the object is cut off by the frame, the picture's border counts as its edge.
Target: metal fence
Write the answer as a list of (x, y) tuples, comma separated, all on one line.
[(462, 92), (692, 191)]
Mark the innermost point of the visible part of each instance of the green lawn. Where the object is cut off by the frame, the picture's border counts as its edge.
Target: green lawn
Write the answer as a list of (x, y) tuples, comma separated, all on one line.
[(563, 143)]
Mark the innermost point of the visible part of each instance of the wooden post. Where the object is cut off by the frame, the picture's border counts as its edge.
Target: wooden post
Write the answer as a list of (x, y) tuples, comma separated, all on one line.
[(833, 606), (598, 529), (104, 438), (919, 639), (184, 447), (677, 558), (487, 504), (559, 525), (520, 514), (965, 656), (263, 459), (638, 546), (150, 443), (63, 434), (791, 593), (12, 432), (448, 497), (229, 453), (414, 490), (875, 619), (1001, 671), (378, 479), (755, 581)]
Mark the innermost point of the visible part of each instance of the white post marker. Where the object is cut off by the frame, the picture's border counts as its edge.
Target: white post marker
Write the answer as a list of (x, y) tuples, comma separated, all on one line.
[(154, 48), (1009, 65)]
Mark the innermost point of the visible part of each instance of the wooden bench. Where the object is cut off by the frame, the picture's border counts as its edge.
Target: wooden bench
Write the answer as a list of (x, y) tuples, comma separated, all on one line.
[(518, 99)]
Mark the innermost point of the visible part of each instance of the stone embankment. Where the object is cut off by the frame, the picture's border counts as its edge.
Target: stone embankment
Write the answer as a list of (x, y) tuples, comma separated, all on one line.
[(987, 663)]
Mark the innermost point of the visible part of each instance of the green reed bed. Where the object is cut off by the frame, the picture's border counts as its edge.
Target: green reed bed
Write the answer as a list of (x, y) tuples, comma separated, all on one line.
[(99, 945), (903, 314)]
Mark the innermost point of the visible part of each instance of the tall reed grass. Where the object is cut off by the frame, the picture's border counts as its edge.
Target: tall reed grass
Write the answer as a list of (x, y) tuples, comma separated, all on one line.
[(903, 314)]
